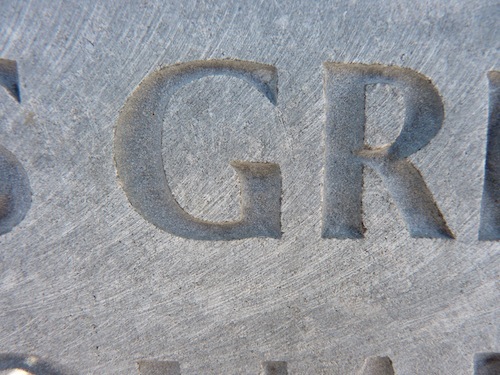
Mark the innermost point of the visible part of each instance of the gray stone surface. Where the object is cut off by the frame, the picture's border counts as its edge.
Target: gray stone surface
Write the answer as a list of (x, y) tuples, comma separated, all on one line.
[(92, 287)]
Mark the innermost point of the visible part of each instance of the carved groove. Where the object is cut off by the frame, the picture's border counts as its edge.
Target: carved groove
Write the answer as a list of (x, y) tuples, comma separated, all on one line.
[(489, 229), (487, 364), (484, 364), (274, 368), (4, 205), (346, 154), (15, 193), (141, 170), (29, 363), (9, 78), (377, 366), (173, 368)]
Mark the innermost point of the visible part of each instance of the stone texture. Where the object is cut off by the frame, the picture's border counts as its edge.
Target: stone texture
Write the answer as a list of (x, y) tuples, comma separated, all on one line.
[(377, 366), (90, 285)]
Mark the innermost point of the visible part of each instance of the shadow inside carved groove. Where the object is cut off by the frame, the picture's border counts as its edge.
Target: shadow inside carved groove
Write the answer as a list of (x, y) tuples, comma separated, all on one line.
[(26, 365), (377, 366), (4, 205), (173, 368), (489, 229), (140, 167), (15, 193), (346, 152), (487, 364), (15, 372), (9, 78), (159, 368), (274, 368)]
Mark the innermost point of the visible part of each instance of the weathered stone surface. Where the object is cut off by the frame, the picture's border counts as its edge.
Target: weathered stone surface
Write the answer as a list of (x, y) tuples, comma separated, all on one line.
[(92, 287), (377, 366)]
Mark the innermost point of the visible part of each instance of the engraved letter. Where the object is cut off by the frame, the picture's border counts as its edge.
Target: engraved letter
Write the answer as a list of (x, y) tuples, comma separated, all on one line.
[(490, 205), (159, 368), (346, 154), (274, 368), (9, 78), (487, 364), (15, 192), (377, 366), (28, 364), (140, 166)]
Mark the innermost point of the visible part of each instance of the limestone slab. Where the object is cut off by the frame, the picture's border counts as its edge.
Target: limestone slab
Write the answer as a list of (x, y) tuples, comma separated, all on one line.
[(89, 285)]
